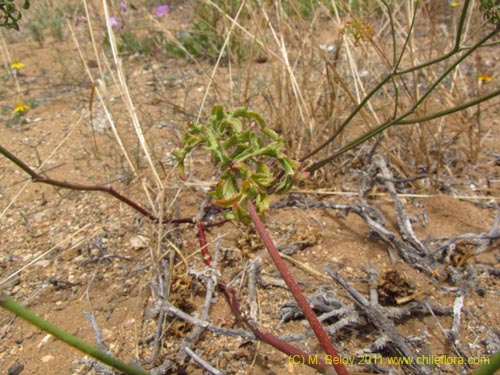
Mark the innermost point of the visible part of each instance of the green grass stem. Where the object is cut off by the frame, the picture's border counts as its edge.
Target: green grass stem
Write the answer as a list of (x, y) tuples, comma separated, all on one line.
[(491, 367), (9, 304)]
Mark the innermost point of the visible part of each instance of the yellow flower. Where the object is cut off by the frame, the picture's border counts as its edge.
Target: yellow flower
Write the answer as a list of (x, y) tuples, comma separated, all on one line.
[(454, 4), (485, 77), (21, 107), (16, 65)]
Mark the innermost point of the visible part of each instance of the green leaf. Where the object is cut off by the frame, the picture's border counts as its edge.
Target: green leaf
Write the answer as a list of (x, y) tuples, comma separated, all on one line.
[(229, 202), (240, 214), (285, 185), (233, 122), (289, 166), (262, 202)]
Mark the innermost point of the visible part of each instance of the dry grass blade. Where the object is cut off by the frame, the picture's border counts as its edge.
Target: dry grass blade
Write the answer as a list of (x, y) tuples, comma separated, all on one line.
[(128, 98), (98, 87)]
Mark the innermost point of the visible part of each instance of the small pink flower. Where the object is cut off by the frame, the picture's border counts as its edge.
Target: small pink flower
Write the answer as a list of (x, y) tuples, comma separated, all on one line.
[(162, 10), (123, 6), (115, 23)]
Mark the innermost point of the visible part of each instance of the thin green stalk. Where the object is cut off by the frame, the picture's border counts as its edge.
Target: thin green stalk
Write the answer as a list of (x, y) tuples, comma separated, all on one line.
[(395, 61), (456, 48), (407, 40), (449, 111), (368, 96), (395, 72), (400, 120), (449, 70), (348, 119), (15, 308), (393, 32), (461, 23), (491, 367)]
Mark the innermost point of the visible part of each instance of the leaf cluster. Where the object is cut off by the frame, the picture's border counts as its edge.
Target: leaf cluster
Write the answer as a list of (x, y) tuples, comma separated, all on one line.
[(491, 11), (361, 31), (10, 15), (251, 160)]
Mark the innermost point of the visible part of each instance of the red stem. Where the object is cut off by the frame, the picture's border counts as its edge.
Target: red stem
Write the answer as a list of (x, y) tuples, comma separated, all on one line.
[(294, 288), (299, 355), (203, 243)]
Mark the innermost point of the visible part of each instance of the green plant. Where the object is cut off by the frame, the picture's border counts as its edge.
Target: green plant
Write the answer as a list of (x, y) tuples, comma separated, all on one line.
[(36, 31), (56, 24), (491, 11), (459, 53), (16, 119), (200, 41), (491, 367), (16, 115), (130, 43), (47, 18), (245, 157), (322, 366), (32, 103), (9, 304), (208, 33), (306, 9), (10, 14)]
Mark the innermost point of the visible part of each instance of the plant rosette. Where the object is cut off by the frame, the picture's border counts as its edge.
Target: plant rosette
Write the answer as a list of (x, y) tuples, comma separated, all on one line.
[(251, 159)]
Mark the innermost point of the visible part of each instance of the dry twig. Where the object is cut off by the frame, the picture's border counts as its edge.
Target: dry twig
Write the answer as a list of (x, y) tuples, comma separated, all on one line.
[(376, 315)]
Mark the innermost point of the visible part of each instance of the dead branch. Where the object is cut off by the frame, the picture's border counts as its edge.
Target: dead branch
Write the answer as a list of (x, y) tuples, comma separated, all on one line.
[(377, 317), (252, 291), (405, 227), (202, 362), (98, 333), (211, 283), (171, 309)]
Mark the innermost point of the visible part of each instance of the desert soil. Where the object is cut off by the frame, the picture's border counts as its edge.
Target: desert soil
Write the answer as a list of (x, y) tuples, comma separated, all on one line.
[(66, 253)]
